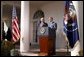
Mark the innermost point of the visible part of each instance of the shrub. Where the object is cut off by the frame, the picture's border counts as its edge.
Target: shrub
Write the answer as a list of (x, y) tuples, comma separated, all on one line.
[(6, 46)]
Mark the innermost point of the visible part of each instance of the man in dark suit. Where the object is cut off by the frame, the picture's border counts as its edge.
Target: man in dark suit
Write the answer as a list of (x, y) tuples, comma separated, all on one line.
[(52, 31), (43, 23), (40, 23), (53, 27)]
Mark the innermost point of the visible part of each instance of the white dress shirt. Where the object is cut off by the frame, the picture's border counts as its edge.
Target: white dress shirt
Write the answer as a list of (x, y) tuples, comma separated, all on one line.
[(51, 25)]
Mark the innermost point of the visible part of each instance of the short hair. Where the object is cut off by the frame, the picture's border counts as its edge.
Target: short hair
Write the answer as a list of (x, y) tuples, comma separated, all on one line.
[(51, 17)]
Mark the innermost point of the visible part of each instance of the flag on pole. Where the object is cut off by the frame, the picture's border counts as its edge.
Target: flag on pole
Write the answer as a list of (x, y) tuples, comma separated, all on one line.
[(70, 24), (5, 27), (15, 26)]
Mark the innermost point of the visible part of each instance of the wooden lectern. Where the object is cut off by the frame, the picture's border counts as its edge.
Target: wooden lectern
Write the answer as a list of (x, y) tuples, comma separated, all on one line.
[(46, 42)]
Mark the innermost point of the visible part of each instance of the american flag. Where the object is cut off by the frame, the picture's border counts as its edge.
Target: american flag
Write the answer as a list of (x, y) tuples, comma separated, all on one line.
[(15, 26), (70, 23)]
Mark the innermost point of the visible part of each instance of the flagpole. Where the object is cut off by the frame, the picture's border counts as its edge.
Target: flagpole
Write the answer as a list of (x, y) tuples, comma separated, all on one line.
[(15, 28), (67, 49), (12, 28), (14, 49)]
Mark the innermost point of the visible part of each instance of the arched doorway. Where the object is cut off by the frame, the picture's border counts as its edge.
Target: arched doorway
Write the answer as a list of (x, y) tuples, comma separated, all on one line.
[(36, 18)]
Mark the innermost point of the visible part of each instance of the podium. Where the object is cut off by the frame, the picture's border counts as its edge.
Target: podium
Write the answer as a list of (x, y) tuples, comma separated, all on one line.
[(46, 41)]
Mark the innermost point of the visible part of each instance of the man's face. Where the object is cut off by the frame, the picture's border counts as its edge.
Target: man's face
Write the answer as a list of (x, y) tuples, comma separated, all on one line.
[(50, 19), (42, 19)]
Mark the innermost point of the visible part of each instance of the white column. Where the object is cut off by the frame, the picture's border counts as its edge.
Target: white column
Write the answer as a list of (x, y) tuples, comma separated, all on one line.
[(24, 41), (76, 49)]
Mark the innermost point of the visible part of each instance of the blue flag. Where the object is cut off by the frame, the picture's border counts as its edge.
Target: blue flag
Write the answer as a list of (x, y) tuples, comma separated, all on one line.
[(70, 23)]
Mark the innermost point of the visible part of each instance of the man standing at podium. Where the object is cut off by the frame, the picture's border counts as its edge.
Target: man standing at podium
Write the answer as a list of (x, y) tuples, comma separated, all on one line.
[(42, 23), (52, 30)]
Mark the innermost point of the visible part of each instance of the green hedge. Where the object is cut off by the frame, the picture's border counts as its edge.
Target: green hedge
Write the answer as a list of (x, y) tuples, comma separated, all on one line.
[(81, 52), (6, 46)]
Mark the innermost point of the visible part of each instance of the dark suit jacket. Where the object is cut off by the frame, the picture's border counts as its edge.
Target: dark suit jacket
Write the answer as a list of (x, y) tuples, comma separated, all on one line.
[(52, 31), (44, 25), (38, 25)]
